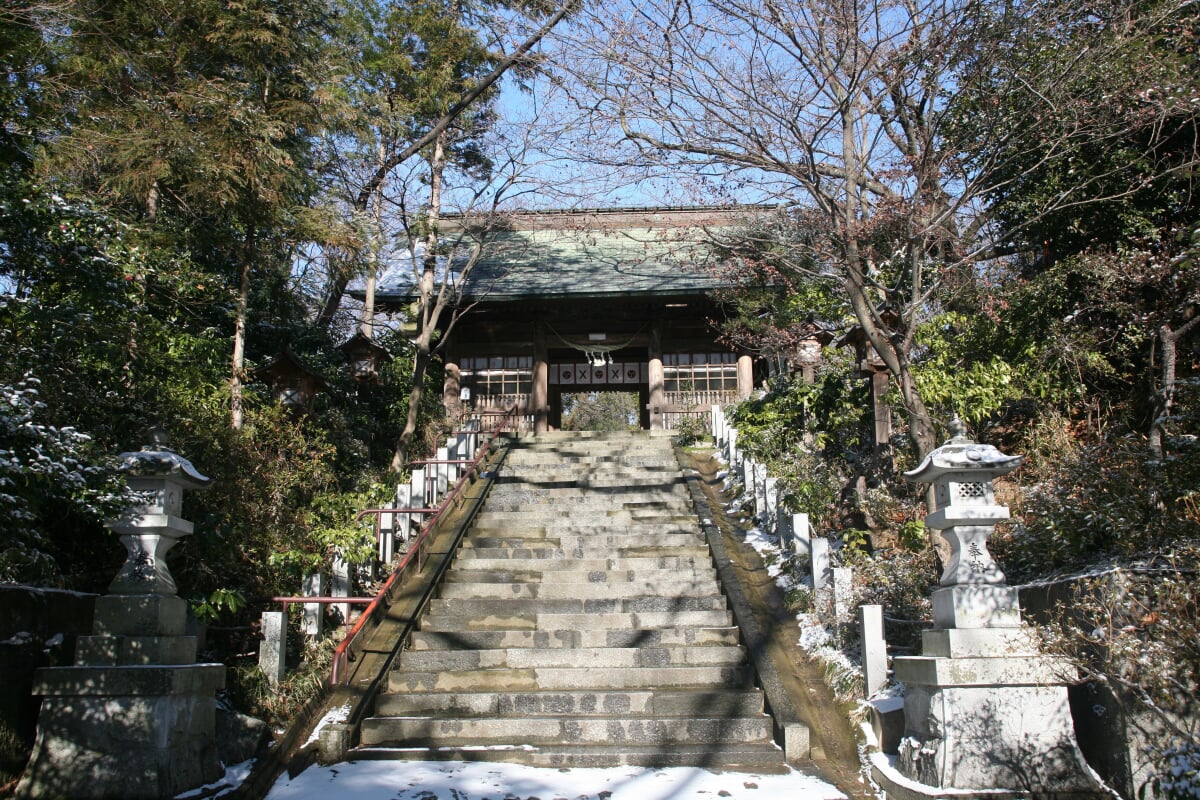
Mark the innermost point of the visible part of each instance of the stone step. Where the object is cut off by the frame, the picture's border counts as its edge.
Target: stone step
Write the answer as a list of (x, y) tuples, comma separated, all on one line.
[(759, 757), (570, 525), (551, 520), (578, 703), (598, 658), (570, 541), (553, 730), (466, 572), (473, 607), (569, 504), (611, 566), (531, 679), (503, 620), (548, 553), (581, 590), (590, 637)]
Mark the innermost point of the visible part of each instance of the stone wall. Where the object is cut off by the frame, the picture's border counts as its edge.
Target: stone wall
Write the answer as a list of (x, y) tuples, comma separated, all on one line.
[(38, 628)]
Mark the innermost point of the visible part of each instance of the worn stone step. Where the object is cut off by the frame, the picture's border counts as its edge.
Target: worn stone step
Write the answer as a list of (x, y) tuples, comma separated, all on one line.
[(598, 658), (581, 590), (571, 541), (594, 511), (551, 516), (586, 553), (760, 757), (566, 572), (578, 703), (473, 564), (503, 619), (551, 730), (589, 637), (551, 678), (565, 605), (578, 527)]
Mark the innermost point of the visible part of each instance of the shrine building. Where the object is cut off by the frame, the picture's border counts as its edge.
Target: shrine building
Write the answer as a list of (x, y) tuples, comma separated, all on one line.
[(566, 302)]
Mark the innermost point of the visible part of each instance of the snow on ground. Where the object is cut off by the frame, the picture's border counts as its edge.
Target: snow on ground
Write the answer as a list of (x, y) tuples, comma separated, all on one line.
[(456, 780)]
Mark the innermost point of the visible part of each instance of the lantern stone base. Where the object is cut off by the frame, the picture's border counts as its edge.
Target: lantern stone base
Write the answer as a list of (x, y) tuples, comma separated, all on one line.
[(983, 711), (124, 732), (135, 717)]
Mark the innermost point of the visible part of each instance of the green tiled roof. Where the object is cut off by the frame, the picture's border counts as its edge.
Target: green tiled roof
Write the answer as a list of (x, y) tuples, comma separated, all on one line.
[(642, 252), (525, 264)]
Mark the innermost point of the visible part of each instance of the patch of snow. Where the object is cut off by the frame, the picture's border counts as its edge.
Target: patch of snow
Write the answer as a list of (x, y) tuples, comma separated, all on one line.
[(456, 780), (333, 716), (233, 778)]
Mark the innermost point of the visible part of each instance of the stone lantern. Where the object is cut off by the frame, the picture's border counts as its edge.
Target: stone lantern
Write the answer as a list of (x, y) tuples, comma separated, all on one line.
[(151, 528), (291, 380), (365, 356), (135, 716), (961, 473), (983, 709)]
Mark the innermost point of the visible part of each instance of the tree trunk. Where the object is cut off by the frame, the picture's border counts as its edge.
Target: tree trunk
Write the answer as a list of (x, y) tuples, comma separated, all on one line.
[(436, 133), (1164, 398), (429, 308), (238, 361)]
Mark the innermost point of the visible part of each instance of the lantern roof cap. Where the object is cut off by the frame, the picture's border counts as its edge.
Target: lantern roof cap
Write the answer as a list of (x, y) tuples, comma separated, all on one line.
[(156, 459), (288, 363), (961, 454), (359, 342)]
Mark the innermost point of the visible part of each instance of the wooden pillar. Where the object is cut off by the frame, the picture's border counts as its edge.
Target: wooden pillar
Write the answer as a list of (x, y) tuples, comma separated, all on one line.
[(745, 376), (657, 379), (539, 398)]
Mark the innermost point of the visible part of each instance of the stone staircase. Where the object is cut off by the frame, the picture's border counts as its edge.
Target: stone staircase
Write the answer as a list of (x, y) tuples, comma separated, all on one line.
[(581, 624)]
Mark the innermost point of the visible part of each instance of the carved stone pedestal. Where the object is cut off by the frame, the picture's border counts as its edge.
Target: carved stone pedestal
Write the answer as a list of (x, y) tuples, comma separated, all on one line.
[(134, 718), (983, 710)]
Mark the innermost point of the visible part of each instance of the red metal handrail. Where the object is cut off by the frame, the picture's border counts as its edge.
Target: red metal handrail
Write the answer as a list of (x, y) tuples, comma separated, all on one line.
[(341, 655)]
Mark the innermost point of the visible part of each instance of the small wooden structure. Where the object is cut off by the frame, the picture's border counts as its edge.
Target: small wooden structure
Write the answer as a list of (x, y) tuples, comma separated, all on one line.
[(587, 301)]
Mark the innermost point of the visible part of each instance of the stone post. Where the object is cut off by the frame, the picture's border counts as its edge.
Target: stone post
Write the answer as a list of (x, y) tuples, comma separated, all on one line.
[(656, 378), (314, 615), (745, 376), (441, 473), (339, 585), (819, 565), (801, 535), (135, 716), (874, 648), (272, 651), (982, 708), (770, 511), (403, 521)]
